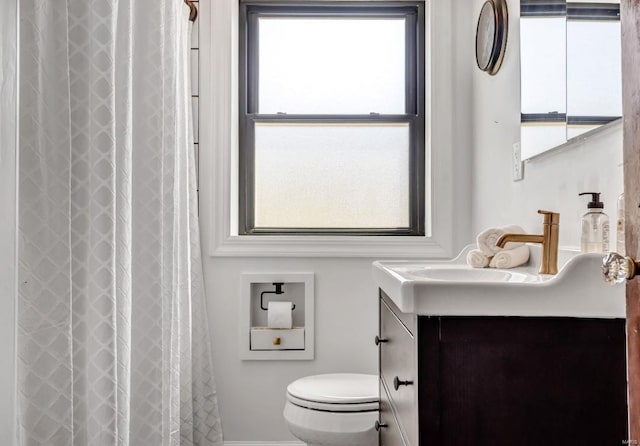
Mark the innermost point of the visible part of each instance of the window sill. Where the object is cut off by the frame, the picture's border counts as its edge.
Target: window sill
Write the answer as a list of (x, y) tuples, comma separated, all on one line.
[(329, 246)]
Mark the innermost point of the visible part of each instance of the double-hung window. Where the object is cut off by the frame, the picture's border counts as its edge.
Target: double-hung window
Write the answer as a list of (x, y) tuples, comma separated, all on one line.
[(332, 118)]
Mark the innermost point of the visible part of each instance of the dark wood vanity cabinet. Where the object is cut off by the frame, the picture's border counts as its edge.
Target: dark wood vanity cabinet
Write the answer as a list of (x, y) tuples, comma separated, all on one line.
[(501, 381)]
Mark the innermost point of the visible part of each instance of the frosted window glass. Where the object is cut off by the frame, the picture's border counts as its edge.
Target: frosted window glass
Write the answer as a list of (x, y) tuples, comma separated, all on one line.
[(331, 175), (538, 138), (331, 66), (573, 131), (543, 64), (594, 86)]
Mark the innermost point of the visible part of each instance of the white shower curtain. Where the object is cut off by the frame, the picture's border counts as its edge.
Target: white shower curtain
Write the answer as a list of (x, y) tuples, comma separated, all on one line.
[(113, 346)]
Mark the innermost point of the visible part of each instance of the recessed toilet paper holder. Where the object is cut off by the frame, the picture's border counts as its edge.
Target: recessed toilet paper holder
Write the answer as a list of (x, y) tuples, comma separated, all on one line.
[(278, 290)]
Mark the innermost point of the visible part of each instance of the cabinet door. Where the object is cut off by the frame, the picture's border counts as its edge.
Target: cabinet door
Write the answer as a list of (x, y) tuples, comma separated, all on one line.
[(398, 370), (527, 382), (389, 432)]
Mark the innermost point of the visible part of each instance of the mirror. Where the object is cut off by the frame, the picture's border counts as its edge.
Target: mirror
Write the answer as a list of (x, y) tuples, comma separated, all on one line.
[(570, 71)]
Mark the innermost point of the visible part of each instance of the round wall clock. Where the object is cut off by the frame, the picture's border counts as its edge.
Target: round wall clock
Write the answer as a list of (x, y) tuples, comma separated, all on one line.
[(491, 35)]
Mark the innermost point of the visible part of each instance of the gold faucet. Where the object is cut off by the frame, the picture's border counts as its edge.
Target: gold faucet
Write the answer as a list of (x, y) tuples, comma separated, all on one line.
[(548, 239)]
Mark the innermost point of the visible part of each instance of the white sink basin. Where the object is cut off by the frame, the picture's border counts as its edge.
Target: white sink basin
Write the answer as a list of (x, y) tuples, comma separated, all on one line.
[(452, 288), (462, 273)]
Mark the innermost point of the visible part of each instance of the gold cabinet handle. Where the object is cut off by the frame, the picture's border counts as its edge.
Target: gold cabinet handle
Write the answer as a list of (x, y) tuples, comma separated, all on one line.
[(276, 341)]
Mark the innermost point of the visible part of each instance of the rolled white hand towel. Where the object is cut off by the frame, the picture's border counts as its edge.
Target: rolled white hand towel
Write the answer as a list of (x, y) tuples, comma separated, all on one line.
[(487, 239), (477, 259), (510, 258)]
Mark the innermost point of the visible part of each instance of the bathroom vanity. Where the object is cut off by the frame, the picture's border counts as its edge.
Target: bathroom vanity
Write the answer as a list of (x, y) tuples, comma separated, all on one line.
[(512, 375)]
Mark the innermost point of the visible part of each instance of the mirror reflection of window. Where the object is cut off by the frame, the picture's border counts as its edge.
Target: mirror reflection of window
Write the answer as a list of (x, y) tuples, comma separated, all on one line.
[(570, 70), (543, 77), (539, 137), (542, 61), (594, 87)]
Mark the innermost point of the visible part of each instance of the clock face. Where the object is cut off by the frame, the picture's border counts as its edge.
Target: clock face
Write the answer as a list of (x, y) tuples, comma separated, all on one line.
[(491, 35), (486, 33)]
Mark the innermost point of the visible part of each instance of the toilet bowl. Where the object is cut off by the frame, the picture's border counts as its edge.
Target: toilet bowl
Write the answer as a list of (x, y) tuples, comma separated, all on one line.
[(333, 410)]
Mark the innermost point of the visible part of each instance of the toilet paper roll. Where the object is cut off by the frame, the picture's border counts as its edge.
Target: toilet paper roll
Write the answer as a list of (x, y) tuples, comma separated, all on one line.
[(279, 315)]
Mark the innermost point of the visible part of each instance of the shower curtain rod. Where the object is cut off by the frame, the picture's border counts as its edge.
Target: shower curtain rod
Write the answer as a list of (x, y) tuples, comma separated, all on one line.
[(193, 10)]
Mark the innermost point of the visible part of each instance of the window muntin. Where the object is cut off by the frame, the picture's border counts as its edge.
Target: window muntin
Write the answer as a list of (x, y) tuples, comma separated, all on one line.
[(381, 98)]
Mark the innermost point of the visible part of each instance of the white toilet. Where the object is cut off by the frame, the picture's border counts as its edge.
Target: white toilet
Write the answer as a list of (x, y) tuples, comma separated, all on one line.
[(338, 409)]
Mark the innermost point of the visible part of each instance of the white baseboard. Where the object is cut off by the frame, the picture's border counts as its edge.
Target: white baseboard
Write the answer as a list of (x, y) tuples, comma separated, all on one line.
[(264, 443)]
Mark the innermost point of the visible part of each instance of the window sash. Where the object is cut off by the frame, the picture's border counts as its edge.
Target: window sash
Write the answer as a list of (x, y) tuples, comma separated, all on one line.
[(251, 13), (414, 116), (415, 174)]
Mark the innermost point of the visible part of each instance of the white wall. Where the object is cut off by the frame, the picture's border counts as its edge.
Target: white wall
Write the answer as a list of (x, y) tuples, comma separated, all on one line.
[(551, 182), (486, 111), (8, 97), (252, 393)]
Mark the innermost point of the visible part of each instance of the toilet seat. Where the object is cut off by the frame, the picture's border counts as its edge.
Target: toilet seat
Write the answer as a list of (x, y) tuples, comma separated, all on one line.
[(333, 407), (337, 392), (333, 410)]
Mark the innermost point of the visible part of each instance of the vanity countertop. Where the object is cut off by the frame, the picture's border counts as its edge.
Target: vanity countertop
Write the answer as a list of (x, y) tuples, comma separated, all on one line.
[(451, 288)]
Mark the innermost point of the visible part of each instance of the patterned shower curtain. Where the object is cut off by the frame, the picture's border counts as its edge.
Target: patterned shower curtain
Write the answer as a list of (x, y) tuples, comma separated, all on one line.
[(113, 347)]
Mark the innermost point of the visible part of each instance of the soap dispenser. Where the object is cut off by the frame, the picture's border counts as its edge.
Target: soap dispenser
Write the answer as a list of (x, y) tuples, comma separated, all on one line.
[(595, 226)]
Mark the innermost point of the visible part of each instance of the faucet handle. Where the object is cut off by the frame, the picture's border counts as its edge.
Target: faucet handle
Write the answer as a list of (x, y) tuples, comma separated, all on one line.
[(550, 217)]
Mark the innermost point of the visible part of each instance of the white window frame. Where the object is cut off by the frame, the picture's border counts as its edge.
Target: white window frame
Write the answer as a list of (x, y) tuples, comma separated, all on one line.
[(219, 151)]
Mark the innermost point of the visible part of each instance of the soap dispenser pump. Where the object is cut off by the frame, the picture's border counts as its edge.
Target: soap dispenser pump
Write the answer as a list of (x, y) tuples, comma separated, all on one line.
[(595, 226)]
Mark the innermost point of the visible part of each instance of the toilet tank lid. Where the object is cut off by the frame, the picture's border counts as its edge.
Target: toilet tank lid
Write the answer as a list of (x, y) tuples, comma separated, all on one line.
[(336, 388)]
